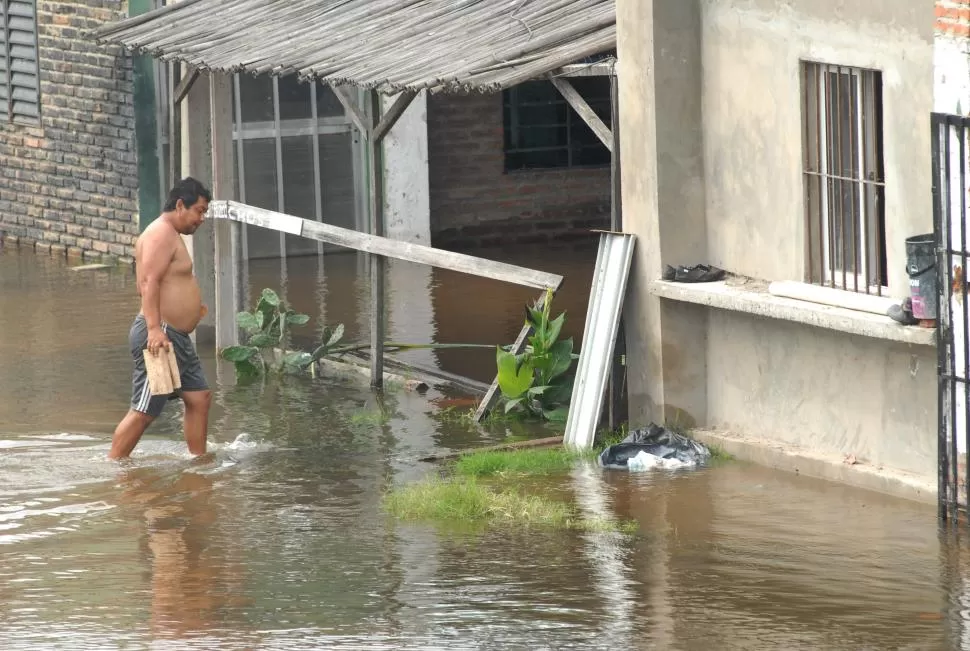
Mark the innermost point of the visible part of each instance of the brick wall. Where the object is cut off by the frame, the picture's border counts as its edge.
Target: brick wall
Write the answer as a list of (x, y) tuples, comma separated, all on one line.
[(474, 202), (69, 186), (953, 17)]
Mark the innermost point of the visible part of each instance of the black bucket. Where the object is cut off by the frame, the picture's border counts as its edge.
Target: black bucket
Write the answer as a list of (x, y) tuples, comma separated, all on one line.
[(921, 268)]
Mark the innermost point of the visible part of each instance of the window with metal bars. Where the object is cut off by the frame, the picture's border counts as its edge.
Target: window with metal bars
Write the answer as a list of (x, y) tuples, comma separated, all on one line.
[(542, 131), (19, 71), (844, 177)]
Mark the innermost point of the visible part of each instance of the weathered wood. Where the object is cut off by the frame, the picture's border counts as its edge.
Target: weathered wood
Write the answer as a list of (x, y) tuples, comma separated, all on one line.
[(515, 445), (397, 249), (228, 239), (599, 69), (375, 181), (492, 395), (185, 86), (393, 115), (585, 112), (163, 372), (351, 108)]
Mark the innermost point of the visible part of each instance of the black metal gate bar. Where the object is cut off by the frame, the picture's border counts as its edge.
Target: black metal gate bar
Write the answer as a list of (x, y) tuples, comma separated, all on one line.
[(945, 128)]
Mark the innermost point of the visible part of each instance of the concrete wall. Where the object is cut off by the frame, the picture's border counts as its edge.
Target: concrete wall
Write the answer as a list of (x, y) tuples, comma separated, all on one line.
[(712, 172), (70, 185), (473, 200), (823, 390), (406, 195)]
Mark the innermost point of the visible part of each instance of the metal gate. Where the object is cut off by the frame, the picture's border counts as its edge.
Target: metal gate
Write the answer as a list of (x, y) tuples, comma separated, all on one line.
[(950, 150)]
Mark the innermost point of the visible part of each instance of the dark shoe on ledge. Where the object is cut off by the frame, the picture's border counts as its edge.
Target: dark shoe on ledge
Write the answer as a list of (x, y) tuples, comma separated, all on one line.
[(699, 273), (903, 313)]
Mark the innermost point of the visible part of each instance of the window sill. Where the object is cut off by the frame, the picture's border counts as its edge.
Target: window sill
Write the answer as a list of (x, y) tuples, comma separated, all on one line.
[(752, 297)]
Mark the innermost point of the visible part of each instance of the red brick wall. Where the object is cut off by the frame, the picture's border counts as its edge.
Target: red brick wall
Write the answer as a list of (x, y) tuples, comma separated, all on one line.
[(953, 17), (474, 202)]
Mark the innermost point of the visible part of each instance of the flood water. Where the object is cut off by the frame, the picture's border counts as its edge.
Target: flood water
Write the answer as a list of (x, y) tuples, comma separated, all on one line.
[(279, 542)]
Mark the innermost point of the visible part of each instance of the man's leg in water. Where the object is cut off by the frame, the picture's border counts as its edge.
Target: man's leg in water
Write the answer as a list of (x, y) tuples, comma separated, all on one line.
[(196, 420), (128, 433)]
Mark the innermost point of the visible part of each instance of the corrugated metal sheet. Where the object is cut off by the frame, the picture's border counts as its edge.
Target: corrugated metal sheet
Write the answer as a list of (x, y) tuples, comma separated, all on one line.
[(389, 45), (602, 323)]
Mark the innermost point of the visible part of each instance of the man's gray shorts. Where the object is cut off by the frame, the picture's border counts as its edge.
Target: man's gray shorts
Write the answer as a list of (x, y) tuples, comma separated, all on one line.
[(190, 368)]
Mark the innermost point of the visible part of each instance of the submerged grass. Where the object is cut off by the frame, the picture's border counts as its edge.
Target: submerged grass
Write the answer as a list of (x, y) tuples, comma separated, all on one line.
[(463, 499), (537, 461)]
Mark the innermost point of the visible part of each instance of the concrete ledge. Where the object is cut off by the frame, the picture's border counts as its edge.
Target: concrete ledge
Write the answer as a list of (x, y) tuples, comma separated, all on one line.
[(752, 297), (783, 456)]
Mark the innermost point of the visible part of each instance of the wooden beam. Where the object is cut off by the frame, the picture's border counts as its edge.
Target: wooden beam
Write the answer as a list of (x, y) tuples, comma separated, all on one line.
[(185, 86), (599, 69), (375, 182), (228, 240), (351, 108), (585, 112), (393, 115), (492, 395), (400, 250)]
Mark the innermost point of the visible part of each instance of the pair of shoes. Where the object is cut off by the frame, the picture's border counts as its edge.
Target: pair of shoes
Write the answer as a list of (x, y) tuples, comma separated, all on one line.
[(699, 273), (903, 313)]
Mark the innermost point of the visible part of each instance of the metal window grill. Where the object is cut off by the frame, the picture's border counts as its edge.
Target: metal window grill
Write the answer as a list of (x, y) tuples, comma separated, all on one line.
[(950, 151), (19, 66), (844, 179)]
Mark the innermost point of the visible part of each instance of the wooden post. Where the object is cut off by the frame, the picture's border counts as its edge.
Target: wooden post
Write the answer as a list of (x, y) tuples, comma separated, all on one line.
[(375, 185), (228, 239)]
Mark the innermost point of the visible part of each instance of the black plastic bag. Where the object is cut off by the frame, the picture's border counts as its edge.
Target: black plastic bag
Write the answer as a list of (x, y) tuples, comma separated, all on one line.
[(658, 441)]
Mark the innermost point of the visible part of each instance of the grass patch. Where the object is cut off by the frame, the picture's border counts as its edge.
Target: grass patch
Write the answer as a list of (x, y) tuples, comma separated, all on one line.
[(465, 500), (537, 461)]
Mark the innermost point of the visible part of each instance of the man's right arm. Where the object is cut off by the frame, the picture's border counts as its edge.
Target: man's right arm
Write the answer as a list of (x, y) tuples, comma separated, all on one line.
[(156, 255)]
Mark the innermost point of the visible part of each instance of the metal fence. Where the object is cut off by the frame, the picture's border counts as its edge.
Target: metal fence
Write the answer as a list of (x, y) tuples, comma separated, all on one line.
[(950, 149)]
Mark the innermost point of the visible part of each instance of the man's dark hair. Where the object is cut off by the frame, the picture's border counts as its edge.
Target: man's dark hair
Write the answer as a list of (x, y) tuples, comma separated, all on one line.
[(188, 190)]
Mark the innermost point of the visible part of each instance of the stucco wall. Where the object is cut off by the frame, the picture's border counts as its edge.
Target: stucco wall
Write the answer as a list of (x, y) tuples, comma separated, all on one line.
[(752, 122), (823, 390), (731, 85)]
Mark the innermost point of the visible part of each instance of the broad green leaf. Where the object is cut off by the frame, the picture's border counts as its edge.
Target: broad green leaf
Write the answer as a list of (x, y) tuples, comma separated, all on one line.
[(247, 321), (512, 404), (552, 332), (297, 359), (558, 415), (539, 390), (263, 340), (561, 357), (513, 379), (238, 353), (260, 319), (297, 319), (246, 369), (337, 335), (270, 297)]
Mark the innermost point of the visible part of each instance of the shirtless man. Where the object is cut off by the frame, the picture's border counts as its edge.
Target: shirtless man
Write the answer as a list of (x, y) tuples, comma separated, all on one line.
[(171, 308)]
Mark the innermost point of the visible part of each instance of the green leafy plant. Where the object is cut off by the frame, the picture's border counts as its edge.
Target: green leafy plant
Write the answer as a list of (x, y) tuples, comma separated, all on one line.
[(535, 382), (268, 328)]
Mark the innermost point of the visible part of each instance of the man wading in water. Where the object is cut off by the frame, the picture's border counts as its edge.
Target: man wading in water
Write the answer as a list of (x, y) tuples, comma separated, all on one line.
[(171, 308)]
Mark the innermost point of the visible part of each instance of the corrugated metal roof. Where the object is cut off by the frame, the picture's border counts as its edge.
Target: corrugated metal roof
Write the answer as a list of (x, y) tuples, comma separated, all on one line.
[(390, 45)]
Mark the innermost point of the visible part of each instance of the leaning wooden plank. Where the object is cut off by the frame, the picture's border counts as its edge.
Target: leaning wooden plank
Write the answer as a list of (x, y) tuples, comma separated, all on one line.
[(588, 114), (387, 247), (159, 375), (185, 86)]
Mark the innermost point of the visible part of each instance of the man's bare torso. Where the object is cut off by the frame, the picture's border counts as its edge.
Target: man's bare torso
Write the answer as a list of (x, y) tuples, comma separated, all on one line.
[(180, 300)]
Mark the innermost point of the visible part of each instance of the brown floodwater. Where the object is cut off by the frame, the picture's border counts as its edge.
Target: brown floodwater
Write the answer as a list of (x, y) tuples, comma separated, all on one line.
[(279, 541)]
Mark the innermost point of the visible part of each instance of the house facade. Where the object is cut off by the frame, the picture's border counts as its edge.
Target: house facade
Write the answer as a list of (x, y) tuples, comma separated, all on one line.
[(89, 144), (790, 145)]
